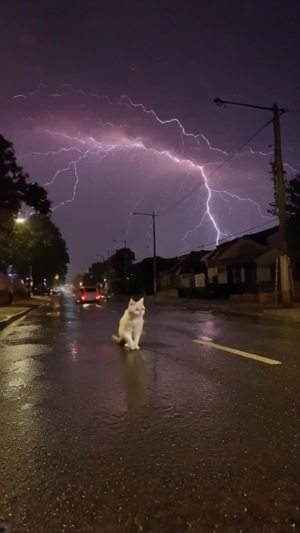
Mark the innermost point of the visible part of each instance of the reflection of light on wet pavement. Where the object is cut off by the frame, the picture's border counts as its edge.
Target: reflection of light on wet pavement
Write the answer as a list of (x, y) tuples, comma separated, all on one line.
[(73, 349), (133, 379), (24, 367)]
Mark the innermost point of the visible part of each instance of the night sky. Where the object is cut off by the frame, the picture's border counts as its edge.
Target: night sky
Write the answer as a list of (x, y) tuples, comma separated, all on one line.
[(118, 95)]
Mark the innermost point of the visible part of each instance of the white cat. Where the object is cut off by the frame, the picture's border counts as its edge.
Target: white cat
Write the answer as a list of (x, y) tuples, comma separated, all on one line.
[(131, 325)]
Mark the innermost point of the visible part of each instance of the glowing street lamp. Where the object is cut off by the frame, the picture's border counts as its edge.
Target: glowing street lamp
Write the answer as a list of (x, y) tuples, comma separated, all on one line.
[(20, 218)]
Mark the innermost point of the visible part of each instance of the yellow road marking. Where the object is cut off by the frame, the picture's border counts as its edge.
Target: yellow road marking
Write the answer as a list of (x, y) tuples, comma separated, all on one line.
[(259, 358)]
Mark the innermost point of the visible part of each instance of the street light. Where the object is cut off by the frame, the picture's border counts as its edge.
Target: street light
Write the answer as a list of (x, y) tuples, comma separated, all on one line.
[(285, 280), (20, 218), (153, 215)]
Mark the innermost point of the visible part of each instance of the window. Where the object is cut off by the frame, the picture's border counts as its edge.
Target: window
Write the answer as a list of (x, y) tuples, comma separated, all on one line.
[(236, 274)]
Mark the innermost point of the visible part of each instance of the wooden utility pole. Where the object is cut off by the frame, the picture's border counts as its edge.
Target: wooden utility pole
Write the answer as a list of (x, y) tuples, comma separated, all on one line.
[(280, 198), (286, 293)]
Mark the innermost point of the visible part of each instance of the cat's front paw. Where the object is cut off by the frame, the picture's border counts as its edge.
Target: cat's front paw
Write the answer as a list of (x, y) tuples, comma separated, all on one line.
[(137, 347), (130, 347)]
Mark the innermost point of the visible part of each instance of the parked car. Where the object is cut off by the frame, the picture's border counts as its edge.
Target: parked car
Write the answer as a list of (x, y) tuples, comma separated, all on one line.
[(89, 295)]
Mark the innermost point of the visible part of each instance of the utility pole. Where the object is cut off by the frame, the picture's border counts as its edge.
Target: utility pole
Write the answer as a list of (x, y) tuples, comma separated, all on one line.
[(280, 198), (153, 215)]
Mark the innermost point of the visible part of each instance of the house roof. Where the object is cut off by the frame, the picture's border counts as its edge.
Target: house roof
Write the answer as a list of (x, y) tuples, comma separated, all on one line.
[(190, 263), (162, 264), (241, 250)]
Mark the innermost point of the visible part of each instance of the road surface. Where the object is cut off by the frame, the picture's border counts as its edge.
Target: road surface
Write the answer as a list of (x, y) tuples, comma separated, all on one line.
[(181, 437)]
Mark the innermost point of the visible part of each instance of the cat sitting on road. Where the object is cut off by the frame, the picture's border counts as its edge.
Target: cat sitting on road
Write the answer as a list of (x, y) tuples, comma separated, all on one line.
[(131, 325)]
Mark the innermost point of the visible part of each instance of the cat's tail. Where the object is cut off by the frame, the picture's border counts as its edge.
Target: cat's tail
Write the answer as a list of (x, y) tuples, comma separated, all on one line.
[(118, 340)]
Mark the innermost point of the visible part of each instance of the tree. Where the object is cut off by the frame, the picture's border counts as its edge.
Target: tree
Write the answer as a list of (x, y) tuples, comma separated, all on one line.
[(292, 211), (38, 243), (293, 198), (122, 262), (15, 189), (99, 270), (77, 280)]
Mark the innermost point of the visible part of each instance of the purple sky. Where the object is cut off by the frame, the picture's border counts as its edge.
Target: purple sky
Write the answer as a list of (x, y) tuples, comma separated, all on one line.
[(72, 74)]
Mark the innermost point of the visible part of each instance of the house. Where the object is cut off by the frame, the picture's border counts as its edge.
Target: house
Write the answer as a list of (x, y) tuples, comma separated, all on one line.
[(249, 261), (247, 264), (143, 273), (187, 271)]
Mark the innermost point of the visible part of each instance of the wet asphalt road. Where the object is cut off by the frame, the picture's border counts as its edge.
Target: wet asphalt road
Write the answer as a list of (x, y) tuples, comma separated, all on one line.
[(176, 438)]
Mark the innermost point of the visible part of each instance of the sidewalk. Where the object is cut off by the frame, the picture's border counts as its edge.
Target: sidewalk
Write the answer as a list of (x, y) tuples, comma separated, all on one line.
[(19, 308), (228, 307)]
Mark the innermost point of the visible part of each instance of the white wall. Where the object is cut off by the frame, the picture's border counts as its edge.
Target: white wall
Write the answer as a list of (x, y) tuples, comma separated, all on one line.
[(222, 275), (211, 272), (199, 280)]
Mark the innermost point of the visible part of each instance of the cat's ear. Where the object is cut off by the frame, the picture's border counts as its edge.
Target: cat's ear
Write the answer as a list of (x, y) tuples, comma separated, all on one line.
[(141, 301), (131, 301)]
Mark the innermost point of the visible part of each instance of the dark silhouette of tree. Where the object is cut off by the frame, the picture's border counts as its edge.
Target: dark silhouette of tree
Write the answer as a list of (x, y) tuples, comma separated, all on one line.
[(121, 262), (15, 188), (293, 198), (99, 270), (38, 243), (292, 211)]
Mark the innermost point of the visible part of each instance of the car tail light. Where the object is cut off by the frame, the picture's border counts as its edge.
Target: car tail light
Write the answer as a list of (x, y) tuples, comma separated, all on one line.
[(82, 297), (98, 296)]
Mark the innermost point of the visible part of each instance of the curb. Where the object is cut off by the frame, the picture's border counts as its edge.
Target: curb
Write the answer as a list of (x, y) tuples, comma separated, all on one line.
[(7, 321)]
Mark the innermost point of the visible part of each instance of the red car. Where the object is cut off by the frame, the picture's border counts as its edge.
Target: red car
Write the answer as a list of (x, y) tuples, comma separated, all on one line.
[(89, 295)]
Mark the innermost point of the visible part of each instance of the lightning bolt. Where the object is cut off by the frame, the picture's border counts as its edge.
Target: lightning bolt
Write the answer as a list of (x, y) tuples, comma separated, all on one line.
[(72, 164), (196, 136), (103, 150), (90, 146)]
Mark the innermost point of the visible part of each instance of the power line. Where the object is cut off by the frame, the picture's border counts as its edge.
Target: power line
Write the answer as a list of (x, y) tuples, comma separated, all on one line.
[(176, 204), (241, 233)]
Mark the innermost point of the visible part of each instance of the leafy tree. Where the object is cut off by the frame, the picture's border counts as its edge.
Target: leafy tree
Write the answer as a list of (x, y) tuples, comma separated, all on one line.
[(39, 243), (293, 198), (76, 281), (122, 263), (15, 189), (99, 270), (292, 211)]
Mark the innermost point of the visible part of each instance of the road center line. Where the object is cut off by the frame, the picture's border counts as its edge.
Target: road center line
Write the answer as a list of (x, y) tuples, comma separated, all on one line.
[(259, 358)]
